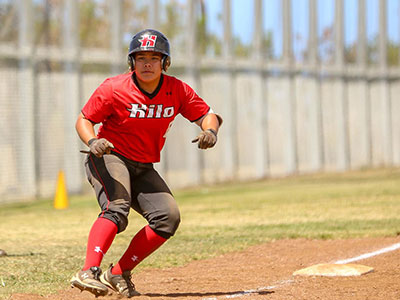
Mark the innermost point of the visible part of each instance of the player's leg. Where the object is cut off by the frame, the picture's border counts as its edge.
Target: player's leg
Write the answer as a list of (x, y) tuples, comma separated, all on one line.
[(110, 179), (152, 198)]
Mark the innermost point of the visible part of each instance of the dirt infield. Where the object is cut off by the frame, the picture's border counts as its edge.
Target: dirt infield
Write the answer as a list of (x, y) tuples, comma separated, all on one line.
[(265, 272)]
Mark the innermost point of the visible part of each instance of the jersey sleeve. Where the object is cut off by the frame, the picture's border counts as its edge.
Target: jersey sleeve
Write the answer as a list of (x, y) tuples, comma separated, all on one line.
[(99, 106), (193, 107)]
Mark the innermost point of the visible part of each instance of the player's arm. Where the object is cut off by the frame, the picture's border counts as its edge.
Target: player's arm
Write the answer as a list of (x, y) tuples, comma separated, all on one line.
[(210, 124), (85, 129), (209, 121)]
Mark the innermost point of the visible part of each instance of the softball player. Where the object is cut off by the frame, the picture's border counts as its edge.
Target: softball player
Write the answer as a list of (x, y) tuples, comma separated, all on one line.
[(136, 110)]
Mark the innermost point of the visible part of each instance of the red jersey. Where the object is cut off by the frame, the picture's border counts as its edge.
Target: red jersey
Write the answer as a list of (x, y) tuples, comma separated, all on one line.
[(135, 122)]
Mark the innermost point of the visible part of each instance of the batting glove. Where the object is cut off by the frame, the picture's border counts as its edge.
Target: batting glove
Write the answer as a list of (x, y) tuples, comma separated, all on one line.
[(206, 139), (100, 146)]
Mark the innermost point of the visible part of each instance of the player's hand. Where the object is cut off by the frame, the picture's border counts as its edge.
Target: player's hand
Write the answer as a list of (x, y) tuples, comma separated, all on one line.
[(206, 139), (100, 146)]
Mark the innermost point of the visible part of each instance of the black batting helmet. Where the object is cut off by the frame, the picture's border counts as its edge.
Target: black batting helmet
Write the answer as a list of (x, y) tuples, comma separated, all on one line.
[(149, 40)]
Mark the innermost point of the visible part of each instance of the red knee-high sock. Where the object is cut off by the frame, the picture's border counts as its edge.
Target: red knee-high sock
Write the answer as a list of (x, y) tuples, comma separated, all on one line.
[(100, 238), (145, 242)]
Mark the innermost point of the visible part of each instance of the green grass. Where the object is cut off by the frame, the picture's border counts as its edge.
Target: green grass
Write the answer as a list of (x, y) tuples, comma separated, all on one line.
[(47, 246)]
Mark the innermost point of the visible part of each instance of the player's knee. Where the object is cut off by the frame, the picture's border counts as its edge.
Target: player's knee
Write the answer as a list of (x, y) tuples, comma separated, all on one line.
[(173, 220), (122, 222), (165, 222), (167, 226), (117, 218), (118, 212)]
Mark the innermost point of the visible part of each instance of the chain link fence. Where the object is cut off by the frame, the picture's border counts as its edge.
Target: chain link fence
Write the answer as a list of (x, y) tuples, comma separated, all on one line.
[(281, 116)]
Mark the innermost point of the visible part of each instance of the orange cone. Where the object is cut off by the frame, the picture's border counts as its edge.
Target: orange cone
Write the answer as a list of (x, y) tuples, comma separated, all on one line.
[(61, 197)]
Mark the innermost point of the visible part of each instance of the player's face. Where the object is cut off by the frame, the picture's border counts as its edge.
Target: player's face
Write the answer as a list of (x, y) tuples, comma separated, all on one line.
[(148, 66)]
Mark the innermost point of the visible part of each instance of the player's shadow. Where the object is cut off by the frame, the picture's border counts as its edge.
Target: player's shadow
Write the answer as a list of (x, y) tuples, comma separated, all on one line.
[(214, 294)]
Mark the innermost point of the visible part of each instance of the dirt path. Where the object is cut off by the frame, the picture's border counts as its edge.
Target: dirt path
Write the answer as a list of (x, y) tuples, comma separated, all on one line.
[(265, 272)]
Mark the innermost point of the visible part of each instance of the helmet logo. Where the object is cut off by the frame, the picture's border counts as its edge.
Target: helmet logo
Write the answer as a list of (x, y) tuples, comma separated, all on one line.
[(148, 40)]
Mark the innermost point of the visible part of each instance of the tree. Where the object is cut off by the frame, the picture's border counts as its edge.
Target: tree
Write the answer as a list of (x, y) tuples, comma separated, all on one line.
[(93, 24), (267, 45), (393, 52), (171, 26), (8, 19)]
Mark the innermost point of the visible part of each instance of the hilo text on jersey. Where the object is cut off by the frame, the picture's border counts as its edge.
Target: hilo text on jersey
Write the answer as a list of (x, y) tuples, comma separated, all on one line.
[(142, 111)]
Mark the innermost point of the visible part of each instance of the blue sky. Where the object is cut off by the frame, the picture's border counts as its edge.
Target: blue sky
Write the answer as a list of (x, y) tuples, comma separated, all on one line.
[(242, 19)]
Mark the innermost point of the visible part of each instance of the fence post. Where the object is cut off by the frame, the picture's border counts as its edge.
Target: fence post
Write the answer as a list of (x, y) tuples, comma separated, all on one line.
[(25, 105), (362, 65), (72, 157), (342, 121), (154, 15), (229, 129), (291, 140), (384, 84), (261, 128), (117, 61), (194, 162), (318, 143)]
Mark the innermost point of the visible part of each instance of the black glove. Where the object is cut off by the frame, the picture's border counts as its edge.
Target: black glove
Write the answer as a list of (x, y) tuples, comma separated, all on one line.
[(206, 139), (100, 146)]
